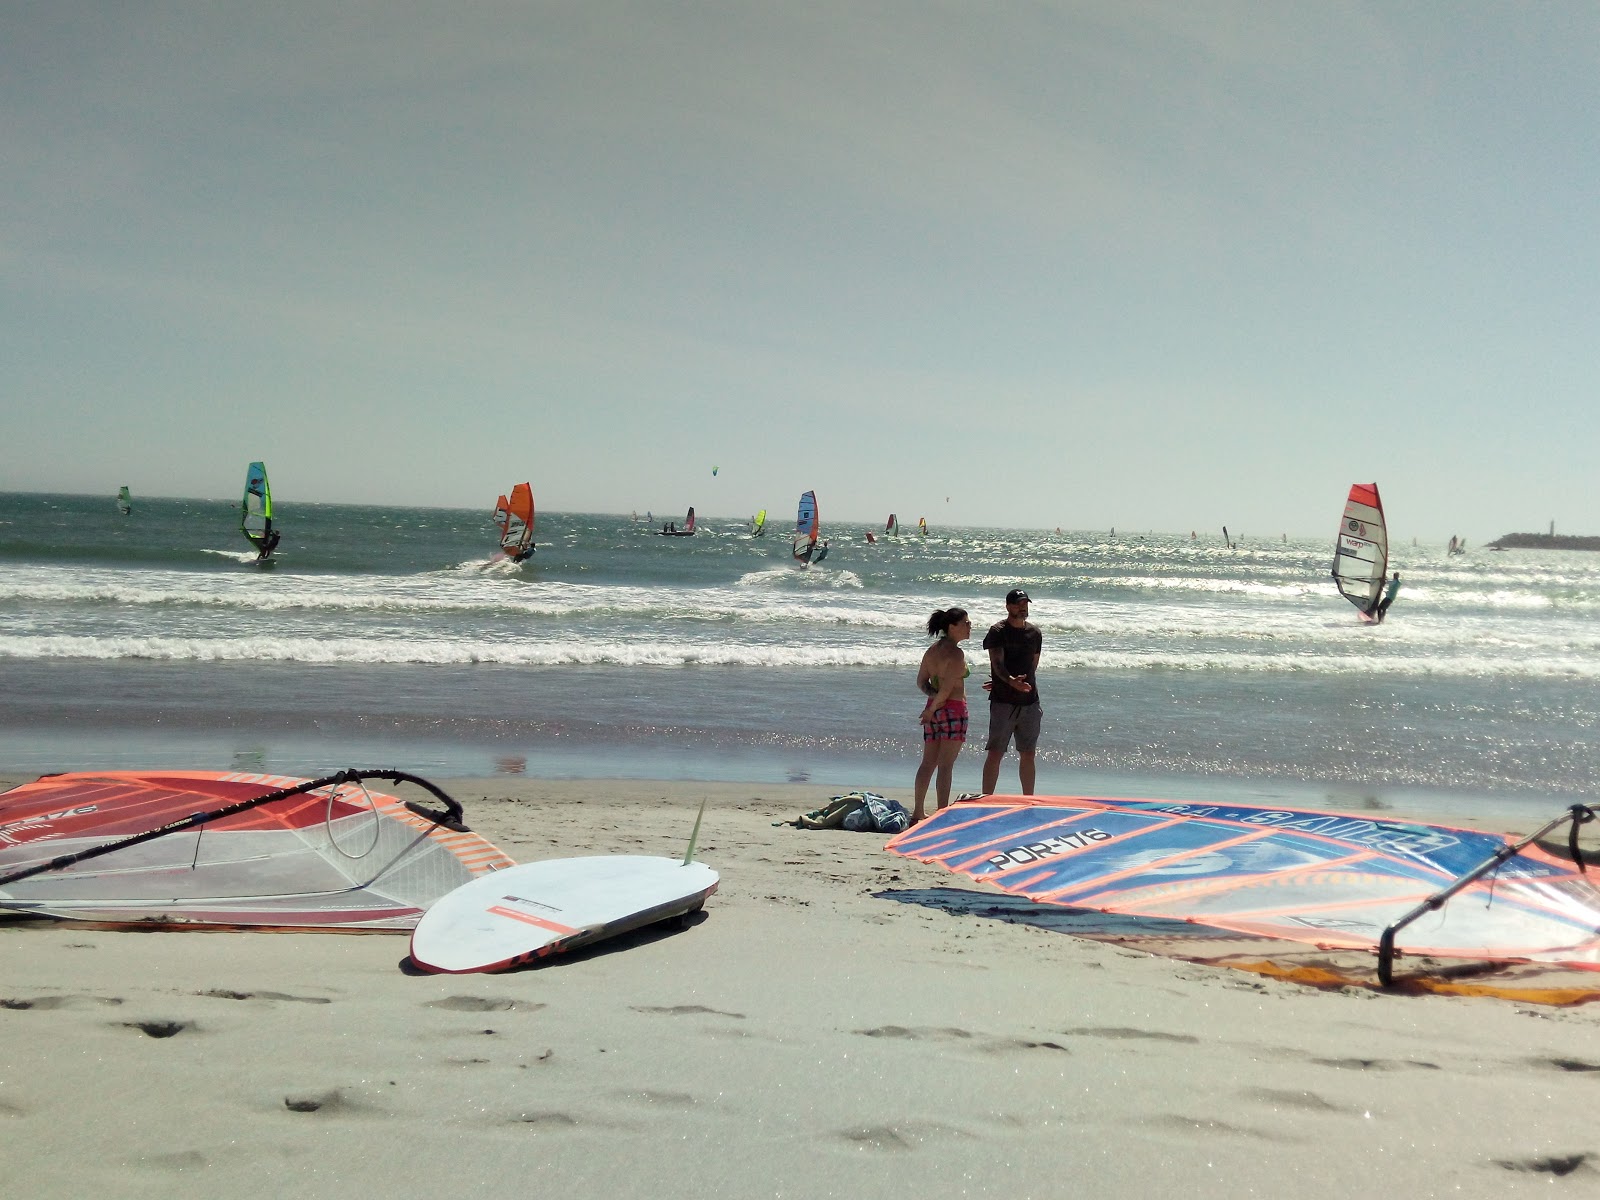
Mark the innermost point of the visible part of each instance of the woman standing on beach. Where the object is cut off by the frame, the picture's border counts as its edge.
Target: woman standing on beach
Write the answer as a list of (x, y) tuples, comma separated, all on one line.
[(942, 676)]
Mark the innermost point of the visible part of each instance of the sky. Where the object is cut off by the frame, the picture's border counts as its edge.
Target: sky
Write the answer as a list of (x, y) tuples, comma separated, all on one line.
[(1091, 264)]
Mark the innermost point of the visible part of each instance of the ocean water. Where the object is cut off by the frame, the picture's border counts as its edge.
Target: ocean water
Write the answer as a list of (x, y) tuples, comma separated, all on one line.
[(386, 636)]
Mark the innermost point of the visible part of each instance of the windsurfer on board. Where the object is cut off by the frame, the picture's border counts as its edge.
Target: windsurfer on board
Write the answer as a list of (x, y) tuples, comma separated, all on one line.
[(1381, 609), (268, 542), (942, 676)]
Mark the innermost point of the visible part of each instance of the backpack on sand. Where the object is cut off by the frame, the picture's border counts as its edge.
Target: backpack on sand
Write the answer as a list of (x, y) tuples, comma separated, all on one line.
[(860, 812)]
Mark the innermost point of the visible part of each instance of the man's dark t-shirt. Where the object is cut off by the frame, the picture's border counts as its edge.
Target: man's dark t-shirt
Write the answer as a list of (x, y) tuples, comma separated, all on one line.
[(1021, 647)]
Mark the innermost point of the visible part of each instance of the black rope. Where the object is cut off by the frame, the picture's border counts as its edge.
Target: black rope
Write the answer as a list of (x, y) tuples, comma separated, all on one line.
[(1582, 814)]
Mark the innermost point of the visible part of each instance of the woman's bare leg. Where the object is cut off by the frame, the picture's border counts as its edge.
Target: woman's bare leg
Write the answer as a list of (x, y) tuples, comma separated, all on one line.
[(925, 769), (948, 753)]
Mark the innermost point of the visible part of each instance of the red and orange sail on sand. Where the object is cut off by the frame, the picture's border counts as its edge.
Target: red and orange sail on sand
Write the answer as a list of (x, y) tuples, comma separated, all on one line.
[(339, 856)]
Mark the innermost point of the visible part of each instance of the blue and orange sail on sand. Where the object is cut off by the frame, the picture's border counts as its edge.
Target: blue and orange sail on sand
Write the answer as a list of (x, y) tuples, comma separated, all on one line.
[(1334, 880)]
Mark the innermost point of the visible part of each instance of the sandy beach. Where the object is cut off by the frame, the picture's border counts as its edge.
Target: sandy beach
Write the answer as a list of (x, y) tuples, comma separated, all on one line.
[(809, 1036)]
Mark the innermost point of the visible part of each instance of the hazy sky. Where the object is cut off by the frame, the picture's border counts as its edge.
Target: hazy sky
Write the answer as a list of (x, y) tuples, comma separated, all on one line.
[(1150, 265)]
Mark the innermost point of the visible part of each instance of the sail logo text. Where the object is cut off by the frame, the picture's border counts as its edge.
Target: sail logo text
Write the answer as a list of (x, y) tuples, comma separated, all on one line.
[(33, 824), (1021, 856)]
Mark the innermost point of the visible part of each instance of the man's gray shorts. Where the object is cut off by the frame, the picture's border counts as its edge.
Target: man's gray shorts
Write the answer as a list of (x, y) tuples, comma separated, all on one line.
[(1019, 720)]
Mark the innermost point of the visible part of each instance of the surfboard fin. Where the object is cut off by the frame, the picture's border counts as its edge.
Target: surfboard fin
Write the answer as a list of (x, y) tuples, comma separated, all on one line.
[(694, 837)]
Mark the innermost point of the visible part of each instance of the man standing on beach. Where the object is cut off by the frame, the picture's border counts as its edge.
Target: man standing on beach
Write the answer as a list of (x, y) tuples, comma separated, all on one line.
[(1014, 647)]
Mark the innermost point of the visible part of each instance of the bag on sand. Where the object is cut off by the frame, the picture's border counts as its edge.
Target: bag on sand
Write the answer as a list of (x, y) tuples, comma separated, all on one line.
[(860, 812)]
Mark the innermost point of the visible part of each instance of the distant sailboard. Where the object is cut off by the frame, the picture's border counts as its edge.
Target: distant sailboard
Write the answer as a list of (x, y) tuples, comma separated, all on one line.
[(124, 500), (1361, 551), (199, 848), (255, 512), (807, 524), (758, 524), (684, 530), (891, 527), (1331, 879), (515, 517)]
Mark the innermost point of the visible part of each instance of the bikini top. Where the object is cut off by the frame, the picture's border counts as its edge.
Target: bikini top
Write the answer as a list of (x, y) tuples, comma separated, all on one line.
[(933, 680)]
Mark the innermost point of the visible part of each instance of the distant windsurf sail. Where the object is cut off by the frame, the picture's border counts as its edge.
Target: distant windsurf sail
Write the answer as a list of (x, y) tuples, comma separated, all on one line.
[(892, 526), (684, 530), (124, 500), (190, 847), (1331, 879), (255, 510), (758, 524), (1361, 553), (922, 526), (806, 525), (515, 518)]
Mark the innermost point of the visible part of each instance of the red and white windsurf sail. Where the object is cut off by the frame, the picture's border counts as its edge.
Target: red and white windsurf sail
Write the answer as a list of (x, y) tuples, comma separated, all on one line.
[(1361, 553), (190, 847)]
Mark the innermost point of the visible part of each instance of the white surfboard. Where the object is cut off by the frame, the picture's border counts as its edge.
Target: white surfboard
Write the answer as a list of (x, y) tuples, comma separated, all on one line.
[(513, 916)]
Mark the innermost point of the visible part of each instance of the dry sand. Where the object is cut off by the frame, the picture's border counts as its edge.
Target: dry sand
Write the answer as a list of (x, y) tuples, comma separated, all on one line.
[(807, 1037)]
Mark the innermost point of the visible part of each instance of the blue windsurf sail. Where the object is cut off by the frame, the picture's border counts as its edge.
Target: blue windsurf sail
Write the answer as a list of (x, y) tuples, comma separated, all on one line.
[(1331, 879), (806, 524)]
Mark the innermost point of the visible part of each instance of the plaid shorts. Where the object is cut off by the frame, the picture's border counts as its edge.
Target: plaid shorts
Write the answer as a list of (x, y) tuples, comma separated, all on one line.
[(948, 724)]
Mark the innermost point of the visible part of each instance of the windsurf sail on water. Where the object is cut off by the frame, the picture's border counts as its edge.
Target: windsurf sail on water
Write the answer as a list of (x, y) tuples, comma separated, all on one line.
[(124, 500), (1361, 552), (922, 526), (891, 527), (806, 525), (1330, 879), (684, 530), (255, 511), (758, 524), (189, 847), (515, 518)]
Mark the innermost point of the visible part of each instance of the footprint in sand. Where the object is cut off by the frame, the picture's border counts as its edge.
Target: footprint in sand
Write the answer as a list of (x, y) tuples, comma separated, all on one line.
[(664, 1099), (1206, 1127), (331, 1102), (982, 1044), (159, 1029), (901, 1138), (1566, 1064), (1124, 1033), (544, 1120), (480, 1004), (685, 1010), (1282, 1098), (229, 994), (1376, 1064), (45, 1003), (1554, 1164)]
